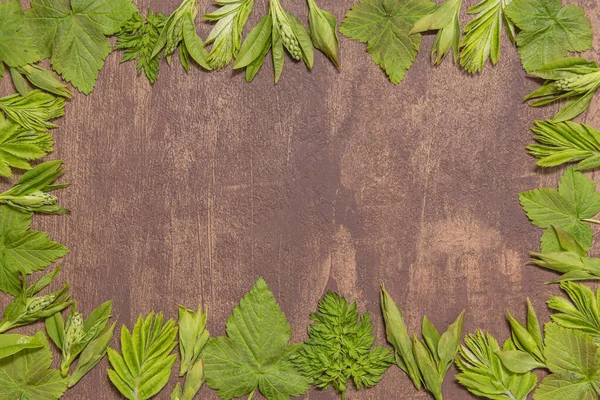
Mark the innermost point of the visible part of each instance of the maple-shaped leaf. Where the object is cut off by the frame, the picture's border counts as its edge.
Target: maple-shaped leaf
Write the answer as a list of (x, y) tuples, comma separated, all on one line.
[(255, 354), (548, 31), (574, 360), (18, 146), (26, 375), (385, 25), (567, 208), (12, 32), (22, 250), (73, 34)]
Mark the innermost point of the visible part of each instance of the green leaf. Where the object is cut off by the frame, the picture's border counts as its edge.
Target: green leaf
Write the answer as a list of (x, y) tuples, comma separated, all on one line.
[(255, 43), (483, 35), (71, 31), (92, 354), (44, 79), (580, 311), (137, 39), (483, 374), (226, 35), (30, 194), (34, 111), (18, 146), (322, 26), (566, 142), (548, 31), (573, 358), (255, 353), (575, 200), (144, 366), (11, 344), (338, 338), (27, 308), (26, 375), (22, 250), (398, 336), (193, 336), (384, 25), (446, 20), (193, 43), (16, 46), (518, 361)]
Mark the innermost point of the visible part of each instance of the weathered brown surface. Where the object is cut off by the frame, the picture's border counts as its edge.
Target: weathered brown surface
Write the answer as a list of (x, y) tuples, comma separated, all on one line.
[(187, 192)]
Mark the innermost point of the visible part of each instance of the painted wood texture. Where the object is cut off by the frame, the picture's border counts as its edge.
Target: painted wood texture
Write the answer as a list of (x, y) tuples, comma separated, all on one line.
[(186, 192)]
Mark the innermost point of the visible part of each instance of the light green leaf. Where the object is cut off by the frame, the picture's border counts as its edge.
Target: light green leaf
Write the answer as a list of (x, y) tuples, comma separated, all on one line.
[(226, 35), (384, 25), (26, 375), (548, 31), (144, 366), (483, 35), (566, 142), (18, 146), (483, 374), (255, 353)]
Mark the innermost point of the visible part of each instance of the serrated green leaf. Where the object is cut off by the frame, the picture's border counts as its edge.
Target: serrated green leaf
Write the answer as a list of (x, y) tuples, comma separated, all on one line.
[(575, 200), (69, 31), (573, 358), (255, 353), (26, 375), (548, 31), (22, 250), (338, 338), (384, 25)]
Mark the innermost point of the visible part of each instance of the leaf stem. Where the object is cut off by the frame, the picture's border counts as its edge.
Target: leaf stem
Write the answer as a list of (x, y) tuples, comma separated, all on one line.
[(591, 221)]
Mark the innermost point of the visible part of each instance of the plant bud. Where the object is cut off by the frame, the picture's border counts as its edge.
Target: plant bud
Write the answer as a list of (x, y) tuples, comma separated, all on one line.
[(39, 303)]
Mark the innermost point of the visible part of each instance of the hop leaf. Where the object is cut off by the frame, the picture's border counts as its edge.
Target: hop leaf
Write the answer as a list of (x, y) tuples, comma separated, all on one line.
[(16, 46)]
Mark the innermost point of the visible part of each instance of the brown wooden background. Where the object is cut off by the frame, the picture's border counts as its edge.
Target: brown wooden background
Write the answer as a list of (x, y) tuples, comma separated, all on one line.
[(188, 191)]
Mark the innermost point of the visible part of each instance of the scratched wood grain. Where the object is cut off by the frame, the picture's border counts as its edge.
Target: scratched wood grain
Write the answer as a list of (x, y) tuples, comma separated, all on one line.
[(187, 192)]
